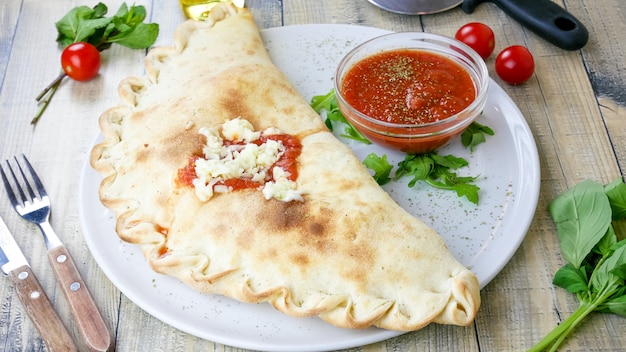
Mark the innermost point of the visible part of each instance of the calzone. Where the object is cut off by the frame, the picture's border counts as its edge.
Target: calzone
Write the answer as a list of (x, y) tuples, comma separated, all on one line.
[(216, 166)]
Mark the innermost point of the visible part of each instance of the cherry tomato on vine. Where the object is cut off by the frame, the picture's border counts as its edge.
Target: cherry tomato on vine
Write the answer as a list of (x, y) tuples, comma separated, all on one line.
[(81, 61), (515, 64), (477, 36)]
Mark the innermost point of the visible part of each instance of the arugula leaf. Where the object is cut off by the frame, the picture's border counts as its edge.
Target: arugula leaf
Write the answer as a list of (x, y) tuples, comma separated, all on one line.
[(431, 168), (448, 161), (467, 190), (474, 134), (324, 102), (435, 170), (416, 165), (380, 166), (328, 104), (582, 215)]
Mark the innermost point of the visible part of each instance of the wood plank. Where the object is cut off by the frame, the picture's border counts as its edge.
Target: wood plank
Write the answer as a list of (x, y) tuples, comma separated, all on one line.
[(604, 54), (9, 11), (267, 14), (606, 66), (614, 115), (345, 12)]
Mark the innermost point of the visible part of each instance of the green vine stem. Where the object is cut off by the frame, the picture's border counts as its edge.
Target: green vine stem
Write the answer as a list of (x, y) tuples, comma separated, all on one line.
[(46, 95)]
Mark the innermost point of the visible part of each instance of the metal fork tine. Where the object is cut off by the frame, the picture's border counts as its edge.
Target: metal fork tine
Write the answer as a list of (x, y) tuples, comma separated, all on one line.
[(20, 190), (8, 187), (33, 174), (31, 192)]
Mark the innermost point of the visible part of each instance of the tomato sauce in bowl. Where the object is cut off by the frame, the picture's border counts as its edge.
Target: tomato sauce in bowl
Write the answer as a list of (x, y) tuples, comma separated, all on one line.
[(408, 87), (411, 91)]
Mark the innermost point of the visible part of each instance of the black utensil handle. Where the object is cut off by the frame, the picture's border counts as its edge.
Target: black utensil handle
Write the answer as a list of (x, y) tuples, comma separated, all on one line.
[(545, 18)]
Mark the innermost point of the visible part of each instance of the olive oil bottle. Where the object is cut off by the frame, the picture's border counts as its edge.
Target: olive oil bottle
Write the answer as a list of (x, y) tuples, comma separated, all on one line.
[(199, 9)]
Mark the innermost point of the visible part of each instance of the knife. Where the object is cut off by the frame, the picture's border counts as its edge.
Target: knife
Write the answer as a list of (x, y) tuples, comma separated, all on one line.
[(33, 298), (544, 17)]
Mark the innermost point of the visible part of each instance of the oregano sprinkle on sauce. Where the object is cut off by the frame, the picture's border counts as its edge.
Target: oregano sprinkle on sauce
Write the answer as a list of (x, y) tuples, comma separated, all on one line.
[(408, 86)]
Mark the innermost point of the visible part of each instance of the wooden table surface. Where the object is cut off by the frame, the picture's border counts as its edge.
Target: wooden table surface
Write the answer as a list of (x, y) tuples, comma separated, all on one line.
[(575, 105)]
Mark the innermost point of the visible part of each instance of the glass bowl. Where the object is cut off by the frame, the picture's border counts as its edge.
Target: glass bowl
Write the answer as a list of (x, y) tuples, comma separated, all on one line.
[(413, 136)]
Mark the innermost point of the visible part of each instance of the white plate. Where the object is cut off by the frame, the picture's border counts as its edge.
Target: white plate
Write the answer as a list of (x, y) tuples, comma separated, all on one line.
[(483, 237)]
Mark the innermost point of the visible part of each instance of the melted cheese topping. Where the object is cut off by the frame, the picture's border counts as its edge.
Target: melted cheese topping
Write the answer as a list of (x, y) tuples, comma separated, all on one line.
[(241, 158), (281, 188)]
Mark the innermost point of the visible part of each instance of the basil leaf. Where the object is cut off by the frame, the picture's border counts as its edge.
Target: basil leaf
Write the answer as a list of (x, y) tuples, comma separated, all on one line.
[(582, 215), (86, 29), (138, 37), (80, 24), (132, 16), (68, 24), (605, 245), (620, 271), (571, 279), (609, 274), (616, 191), (615, 306)]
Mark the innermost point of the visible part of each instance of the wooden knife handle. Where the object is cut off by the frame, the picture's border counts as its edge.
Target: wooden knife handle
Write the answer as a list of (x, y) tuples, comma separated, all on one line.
[(40, 310), (90, 323)]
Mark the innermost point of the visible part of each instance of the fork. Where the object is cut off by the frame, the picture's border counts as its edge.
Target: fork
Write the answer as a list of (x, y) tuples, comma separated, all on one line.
[(36, 209)]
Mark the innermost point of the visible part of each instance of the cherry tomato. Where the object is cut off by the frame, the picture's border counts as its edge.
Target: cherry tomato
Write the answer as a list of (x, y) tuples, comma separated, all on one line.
[(81, 61), (477, 36), (515, 64)]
